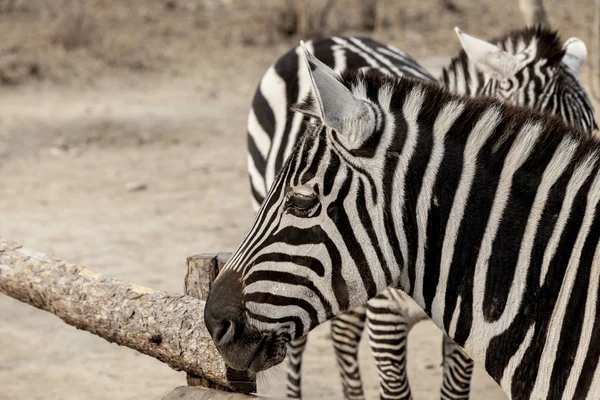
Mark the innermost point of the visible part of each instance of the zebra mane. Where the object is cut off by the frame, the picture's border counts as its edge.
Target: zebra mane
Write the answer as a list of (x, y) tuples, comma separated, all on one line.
[(548, 42), (437, 96), (307, 106), (548, 46)]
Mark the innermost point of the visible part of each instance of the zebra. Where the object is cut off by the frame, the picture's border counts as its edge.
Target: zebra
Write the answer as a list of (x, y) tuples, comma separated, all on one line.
[(467, 73), (465, 204)]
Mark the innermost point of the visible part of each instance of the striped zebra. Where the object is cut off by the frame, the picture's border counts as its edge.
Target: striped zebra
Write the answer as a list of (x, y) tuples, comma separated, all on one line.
[(272, 126), (482, 212)]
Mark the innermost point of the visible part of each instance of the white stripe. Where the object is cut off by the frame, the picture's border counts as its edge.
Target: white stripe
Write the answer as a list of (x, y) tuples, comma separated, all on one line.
[(261, 138), (515, 360), (294, 130), (256, 178), (594, 392), (443, 122), (477, 138), (454, 319), (518, 154), (589, 319), (423, 74), (555, 329), (559, 162), (288, 290), (410, 110), (370, 60), (339, 58), (383, 60), (575, 182), (272, 86)]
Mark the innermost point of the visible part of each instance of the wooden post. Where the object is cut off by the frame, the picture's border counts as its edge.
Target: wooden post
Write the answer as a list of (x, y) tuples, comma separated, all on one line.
[(202, 269)]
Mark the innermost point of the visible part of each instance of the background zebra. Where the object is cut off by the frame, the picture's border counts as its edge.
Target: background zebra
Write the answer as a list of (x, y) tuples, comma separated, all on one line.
[(538, 74), (469, 202)]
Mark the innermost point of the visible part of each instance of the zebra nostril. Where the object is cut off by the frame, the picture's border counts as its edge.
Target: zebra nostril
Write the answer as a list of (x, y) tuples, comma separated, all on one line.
[(225, 332)]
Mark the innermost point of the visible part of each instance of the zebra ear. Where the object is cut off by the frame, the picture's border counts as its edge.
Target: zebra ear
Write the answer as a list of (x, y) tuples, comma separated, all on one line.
[(337, 107), (575, 54), (488, 58)]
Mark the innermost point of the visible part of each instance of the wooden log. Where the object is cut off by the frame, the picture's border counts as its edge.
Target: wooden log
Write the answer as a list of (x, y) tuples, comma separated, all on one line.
[(165, 326), (199, 393), (202, 269)]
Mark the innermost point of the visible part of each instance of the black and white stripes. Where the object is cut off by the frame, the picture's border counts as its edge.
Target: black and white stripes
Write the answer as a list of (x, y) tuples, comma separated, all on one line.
[(538, 54), (523, 309), (273, 127)]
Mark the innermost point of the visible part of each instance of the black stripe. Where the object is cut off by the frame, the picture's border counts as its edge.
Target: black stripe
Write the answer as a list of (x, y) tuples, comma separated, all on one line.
[(414, 180), (571, 330), (286, 277), (287, 68), (593, 355), (311, 263), (337, 213), (446, 184), (477, 211), (297, 321), (283, 301), (389, 171), (504, 346), (264, 113), (505, 248), (367, 224)]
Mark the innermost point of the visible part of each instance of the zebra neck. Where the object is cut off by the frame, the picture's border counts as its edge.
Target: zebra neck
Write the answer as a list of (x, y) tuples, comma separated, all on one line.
[(460, 76), (501, 230)]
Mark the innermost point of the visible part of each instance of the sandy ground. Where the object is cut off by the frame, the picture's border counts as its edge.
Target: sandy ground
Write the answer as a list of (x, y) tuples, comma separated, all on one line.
[(162, 107)]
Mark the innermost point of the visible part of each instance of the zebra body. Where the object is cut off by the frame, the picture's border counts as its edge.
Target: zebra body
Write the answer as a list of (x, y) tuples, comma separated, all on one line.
[(469, 206), (283, 85), (344, 53)]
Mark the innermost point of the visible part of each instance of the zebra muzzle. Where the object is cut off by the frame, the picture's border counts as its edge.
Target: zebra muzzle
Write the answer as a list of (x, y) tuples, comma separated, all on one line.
[(243, 347)]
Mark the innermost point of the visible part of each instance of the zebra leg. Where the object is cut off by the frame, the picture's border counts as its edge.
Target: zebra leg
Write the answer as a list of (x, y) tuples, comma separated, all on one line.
[(458, 369), (346, 331), (296, 348), (388, 328)]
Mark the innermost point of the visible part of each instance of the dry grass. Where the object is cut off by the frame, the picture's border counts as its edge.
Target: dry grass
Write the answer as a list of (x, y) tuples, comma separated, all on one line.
[(73, 40), (75, 28)]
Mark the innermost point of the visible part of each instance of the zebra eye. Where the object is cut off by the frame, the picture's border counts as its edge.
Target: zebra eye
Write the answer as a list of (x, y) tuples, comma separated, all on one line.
[(300, 204)]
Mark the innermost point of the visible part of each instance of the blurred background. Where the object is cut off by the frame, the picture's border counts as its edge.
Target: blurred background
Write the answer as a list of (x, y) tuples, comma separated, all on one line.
[(122, 147)]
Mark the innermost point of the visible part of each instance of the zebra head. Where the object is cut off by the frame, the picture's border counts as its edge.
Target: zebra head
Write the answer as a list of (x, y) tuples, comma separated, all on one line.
[(528, 67), (302, 263)]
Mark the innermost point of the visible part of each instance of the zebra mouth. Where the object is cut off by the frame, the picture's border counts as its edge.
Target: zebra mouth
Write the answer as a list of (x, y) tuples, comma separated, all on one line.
[(270, 351), (254, 352)]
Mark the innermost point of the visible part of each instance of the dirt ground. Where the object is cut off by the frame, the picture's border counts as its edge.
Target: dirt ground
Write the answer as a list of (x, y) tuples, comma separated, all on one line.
[(122, 147)]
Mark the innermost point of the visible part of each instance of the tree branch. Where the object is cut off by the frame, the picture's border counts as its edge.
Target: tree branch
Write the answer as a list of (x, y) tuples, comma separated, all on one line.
[(162, 325)]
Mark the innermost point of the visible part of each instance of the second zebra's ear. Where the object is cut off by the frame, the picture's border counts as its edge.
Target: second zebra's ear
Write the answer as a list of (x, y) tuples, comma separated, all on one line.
[(488, 58), (336, 106), (575, 54)]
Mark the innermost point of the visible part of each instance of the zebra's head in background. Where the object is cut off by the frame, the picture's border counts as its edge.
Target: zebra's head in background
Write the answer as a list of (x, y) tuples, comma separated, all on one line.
[(528, 67), (302, 263)]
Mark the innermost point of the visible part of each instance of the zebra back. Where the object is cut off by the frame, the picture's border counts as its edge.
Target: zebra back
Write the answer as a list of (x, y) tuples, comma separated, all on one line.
[(273, 126)]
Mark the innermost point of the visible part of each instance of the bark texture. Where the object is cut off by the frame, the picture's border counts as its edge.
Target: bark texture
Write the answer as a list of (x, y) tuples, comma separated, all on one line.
[(162, 325), (197, 393)]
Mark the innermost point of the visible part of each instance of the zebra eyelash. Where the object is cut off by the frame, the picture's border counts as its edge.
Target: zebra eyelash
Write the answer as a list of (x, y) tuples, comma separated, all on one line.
[(301, 205)]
